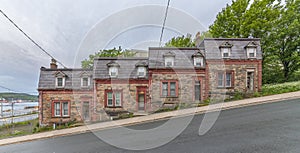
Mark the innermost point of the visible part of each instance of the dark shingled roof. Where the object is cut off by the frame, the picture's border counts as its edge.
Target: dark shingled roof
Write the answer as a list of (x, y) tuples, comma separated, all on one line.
[(127, 67), (72, 78), (238, 50), (183, 57)]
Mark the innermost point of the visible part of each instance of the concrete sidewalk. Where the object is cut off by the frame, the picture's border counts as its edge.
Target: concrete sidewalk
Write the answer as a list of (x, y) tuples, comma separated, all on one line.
[(152, 117)]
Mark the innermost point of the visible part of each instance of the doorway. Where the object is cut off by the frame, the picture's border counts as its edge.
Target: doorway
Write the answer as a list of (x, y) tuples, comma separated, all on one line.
[(85, 111), (250, 81), (197, 89)]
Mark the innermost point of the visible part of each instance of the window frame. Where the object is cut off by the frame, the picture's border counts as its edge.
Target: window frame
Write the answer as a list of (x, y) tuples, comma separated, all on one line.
[(254, 52), (169, 59), (143, 70), (201, 61), (116, 71), (227, 49), (114, 99), (63, 82), (224, 79), (88, 81), (61, 108), (168, 82)]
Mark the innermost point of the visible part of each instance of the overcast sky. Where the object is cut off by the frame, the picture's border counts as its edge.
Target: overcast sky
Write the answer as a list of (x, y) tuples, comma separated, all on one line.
[(72, 29)]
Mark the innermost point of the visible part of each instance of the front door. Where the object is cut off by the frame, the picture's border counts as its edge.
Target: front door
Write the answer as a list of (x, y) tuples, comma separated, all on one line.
[(85, 111), (141, 101), (197, 91), (250, 81)]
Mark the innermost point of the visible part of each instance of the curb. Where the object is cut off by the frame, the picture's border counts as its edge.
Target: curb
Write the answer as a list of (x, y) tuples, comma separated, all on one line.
[(152, 117)]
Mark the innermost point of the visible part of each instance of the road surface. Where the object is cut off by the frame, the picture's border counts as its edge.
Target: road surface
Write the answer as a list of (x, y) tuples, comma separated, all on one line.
[(273, 127)]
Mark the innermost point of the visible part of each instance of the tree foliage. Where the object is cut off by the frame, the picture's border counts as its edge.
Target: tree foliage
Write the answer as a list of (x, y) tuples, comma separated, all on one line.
[(89, 63), (180, 41), (278, 27)]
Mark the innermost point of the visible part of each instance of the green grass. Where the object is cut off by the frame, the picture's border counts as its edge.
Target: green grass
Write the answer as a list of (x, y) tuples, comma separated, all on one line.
[(272, 89)]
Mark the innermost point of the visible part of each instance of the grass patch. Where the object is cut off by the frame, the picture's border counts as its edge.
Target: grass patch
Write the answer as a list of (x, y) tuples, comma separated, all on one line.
[(273, 89)]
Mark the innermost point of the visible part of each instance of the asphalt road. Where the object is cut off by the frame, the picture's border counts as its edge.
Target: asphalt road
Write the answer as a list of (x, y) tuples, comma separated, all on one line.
[(266, 128)]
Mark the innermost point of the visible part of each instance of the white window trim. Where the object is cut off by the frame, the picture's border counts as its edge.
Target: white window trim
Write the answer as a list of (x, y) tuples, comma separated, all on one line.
[(62, 109), (141, 69), (201, 61), (88, 84), (63, 82), (110, 71), (248, 52), (57, 115), (169, 59), (229, 52)]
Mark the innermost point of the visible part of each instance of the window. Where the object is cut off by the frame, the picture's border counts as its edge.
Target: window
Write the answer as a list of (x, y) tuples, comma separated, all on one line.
[(113, 71), (85, 82), (169, 89), (65, 111), (251, 52), (60, 82), (57, 109), (169, 61), (225, 79), (225, 52), (198, 61), (113, 99), (61, 109), (141, 71)]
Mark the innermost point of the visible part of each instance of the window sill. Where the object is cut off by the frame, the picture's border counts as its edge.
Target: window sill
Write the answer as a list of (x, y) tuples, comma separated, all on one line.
[(168, 96), (225, 87), (60, 116), (113, 107)]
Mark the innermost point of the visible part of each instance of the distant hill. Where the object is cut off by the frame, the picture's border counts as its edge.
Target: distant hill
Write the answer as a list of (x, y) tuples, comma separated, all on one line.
[(18, 96)]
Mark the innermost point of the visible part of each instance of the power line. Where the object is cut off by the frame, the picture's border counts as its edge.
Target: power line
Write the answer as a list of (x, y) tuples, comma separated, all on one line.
[(6, 88), (31, 39), (15, 91), (164, 23)]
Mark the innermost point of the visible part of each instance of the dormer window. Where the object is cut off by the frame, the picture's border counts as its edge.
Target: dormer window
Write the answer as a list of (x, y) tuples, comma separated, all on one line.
[(251, 49), (169, 59), (60, 79), (198, 59), (113, 72), (141, 72), (60, 82), (113, 69), (85, 81), (251, 52), (226, 50)]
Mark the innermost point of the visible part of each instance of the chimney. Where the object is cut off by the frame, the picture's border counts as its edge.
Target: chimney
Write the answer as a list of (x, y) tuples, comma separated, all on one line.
[(53, 64)]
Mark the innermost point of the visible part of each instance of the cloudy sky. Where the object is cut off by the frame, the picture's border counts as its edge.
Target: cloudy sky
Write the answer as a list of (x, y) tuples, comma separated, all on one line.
[(70, 30)]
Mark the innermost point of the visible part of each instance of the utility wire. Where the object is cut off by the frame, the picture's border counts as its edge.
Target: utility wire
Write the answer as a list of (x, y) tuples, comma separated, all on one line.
[(31, 39), (164, 23), (14, 91)]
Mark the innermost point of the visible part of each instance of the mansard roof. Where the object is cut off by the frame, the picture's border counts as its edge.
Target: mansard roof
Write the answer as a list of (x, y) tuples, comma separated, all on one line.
[(238, 47), (183, 57), (73, 77), (127, 67)]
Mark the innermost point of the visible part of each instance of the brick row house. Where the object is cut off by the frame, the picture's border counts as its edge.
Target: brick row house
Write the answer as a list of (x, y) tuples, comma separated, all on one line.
[(217, 68)]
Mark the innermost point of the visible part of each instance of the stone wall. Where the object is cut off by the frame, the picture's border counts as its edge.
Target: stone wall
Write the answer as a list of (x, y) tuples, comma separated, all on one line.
[(129, 95), (240, 77), (75, 99), (186, 82)]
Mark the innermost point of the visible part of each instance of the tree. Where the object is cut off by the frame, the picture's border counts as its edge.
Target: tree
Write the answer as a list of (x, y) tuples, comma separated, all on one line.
[(180, 41), (89, 63), (243, 19), (285, 38), (229, 21)]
